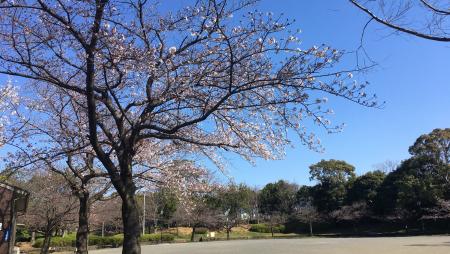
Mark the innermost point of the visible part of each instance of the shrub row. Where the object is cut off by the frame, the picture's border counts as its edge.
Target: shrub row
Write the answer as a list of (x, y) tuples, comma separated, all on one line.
[(114, 241), (56, 241), (157, 237), (264, 228)]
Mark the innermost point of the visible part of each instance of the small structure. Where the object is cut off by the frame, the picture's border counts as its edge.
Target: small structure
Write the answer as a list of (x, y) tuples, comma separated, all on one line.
[(211, 235), (13, 200)]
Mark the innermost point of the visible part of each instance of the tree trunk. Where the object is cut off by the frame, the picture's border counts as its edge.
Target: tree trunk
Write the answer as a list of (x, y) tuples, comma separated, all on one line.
[(228, 233), (33, 237), (310, 228), (155, 220), (83, 224), (271, 229), (131, 224), (193, 233), (46, 244)]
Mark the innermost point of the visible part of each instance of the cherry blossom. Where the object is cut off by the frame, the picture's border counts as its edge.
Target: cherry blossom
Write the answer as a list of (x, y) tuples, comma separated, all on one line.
[(190, 81), (9, 99)]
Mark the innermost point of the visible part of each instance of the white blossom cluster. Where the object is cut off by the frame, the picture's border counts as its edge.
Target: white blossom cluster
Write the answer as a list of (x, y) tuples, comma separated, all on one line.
[(9, 98)]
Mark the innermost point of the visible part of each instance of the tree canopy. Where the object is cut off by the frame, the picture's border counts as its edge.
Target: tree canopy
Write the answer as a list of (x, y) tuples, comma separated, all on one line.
[(277, 198)]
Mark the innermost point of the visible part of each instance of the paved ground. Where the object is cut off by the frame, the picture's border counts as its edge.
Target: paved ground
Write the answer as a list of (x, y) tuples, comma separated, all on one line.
[(395, 245)]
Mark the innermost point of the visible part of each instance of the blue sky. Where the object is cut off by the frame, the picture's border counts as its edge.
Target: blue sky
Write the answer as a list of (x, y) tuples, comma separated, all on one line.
[(412, 77)]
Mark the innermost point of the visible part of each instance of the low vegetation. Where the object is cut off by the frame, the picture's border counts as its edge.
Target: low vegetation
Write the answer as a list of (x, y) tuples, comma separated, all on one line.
[(264, 228), (106, 241)]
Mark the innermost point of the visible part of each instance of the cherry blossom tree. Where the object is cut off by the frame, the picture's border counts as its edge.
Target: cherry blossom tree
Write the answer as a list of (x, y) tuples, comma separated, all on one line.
[(8, 99), (51, 137), (440, 211), (105, 216), (211, 78), (63, 148), (51, 205), (198, 213), (308, 214), (351, 213), (304, 209)]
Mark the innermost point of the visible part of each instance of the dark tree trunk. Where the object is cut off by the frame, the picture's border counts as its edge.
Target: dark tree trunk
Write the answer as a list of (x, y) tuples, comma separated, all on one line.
[(193, 233), (83, 224), (46, 244), (228, 233), (131, 225)]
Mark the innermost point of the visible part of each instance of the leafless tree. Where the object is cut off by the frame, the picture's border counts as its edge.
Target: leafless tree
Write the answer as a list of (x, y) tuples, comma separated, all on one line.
[(307, 213), (427, 19), (387, 166)]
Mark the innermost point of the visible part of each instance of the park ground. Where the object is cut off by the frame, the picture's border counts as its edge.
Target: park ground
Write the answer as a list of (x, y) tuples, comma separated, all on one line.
[(377, 245)]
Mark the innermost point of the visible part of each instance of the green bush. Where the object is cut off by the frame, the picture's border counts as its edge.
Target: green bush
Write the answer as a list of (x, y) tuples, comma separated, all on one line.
[(56, 241), (67, 241), (260, 228), (264, 228), (201, 230), (114, 241), (157, 237), (279, 229), (22, 235)]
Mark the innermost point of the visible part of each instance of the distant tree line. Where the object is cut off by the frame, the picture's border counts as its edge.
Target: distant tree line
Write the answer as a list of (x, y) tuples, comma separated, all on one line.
[(411, 197)]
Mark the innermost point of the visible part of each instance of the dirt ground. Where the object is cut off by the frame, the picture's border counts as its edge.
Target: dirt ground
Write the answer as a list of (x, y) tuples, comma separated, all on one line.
[(181, 230), (188, 231)]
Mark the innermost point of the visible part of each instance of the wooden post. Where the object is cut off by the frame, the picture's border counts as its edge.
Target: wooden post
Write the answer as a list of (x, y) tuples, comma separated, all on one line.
[(12, 227), (143, 218)]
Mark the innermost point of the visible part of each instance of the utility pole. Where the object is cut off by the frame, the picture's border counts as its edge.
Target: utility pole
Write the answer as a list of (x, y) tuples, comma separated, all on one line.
[(143, 218)]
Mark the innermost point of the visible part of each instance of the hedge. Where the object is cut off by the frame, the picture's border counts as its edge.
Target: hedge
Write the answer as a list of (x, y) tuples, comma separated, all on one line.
[(157, 237), (56, 241), (264, 228), (114, 241)]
